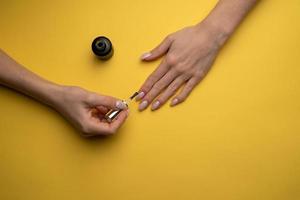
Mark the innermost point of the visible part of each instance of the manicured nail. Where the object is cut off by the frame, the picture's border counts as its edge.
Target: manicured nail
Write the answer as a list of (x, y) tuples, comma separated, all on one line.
[(155, 105), (121, 105), (145, 55), (140, 96), (143, 105), (174, 102)]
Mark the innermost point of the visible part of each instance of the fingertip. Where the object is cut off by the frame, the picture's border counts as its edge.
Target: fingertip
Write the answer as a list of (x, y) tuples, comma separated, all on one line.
[(143, 105), (120, 104), (155, 105), (140, 96), (146, 56), (174, 102)]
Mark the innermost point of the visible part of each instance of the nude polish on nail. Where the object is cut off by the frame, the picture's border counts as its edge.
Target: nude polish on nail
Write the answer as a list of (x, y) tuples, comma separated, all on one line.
[(121, 105), (143, 105), (140, 96), (145, 55), (174, 102), (155, 105)]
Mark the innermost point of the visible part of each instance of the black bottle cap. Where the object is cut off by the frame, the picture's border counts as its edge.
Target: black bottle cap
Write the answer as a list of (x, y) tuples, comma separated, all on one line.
[(102, 47)]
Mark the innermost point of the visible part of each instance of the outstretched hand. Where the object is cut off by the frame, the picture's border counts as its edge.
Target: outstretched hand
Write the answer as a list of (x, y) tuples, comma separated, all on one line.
[(188, 56)]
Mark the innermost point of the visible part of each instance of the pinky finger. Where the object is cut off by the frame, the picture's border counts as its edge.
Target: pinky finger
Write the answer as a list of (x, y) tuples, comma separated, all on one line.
[(187, 89)]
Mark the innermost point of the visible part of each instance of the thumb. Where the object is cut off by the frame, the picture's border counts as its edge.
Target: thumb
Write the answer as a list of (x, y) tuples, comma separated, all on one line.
[(158, 51), (106, 101)]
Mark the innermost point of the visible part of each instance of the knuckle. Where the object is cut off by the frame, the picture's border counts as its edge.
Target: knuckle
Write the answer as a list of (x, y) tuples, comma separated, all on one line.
[(149, 83), (151, 79), (146, 87), (179, 69), (189, 87), (200, 74), (157, 87), (171, 59), (188, 74), (174, 87)]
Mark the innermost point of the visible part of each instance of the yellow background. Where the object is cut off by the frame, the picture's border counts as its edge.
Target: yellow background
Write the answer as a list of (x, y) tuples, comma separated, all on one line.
[(237, 137)]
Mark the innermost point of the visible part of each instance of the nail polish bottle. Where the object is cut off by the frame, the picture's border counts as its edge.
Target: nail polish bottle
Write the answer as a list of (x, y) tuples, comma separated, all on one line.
[(113, 113), (102, 48)]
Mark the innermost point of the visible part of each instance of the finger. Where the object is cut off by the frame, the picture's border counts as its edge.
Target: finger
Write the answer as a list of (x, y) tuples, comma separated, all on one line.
[(158, 51), (119, 121), (102, 109), (95, 99), (104, 128), (185, 91), (170, 91), (156, 89), (100, 112), (158, 73)]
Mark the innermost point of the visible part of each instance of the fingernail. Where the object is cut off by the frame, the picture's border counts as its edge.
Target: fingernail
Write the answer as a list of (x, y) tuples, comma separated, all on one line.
[(145, 55), (155, 105), (174, 102), (140, 96), (143, 105), (121, 105)]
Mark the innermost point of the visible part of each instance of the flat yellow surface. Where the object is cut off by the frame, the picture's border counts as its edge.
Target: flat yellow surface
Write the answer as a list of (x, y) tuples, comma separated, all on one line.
[(237, 137)]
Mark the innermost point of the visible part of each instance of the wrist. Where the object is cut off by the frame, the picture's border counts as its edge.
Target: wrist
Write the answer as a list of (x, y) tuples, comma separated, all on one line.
[(226, 16), (215, 32), (219, 23), (52, 94)]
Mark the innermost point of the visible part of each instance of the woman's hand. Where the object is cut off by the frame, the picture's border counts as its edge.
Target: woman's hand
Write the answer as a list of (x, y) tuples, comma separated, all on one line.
[(189, 54), (86, 110)]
